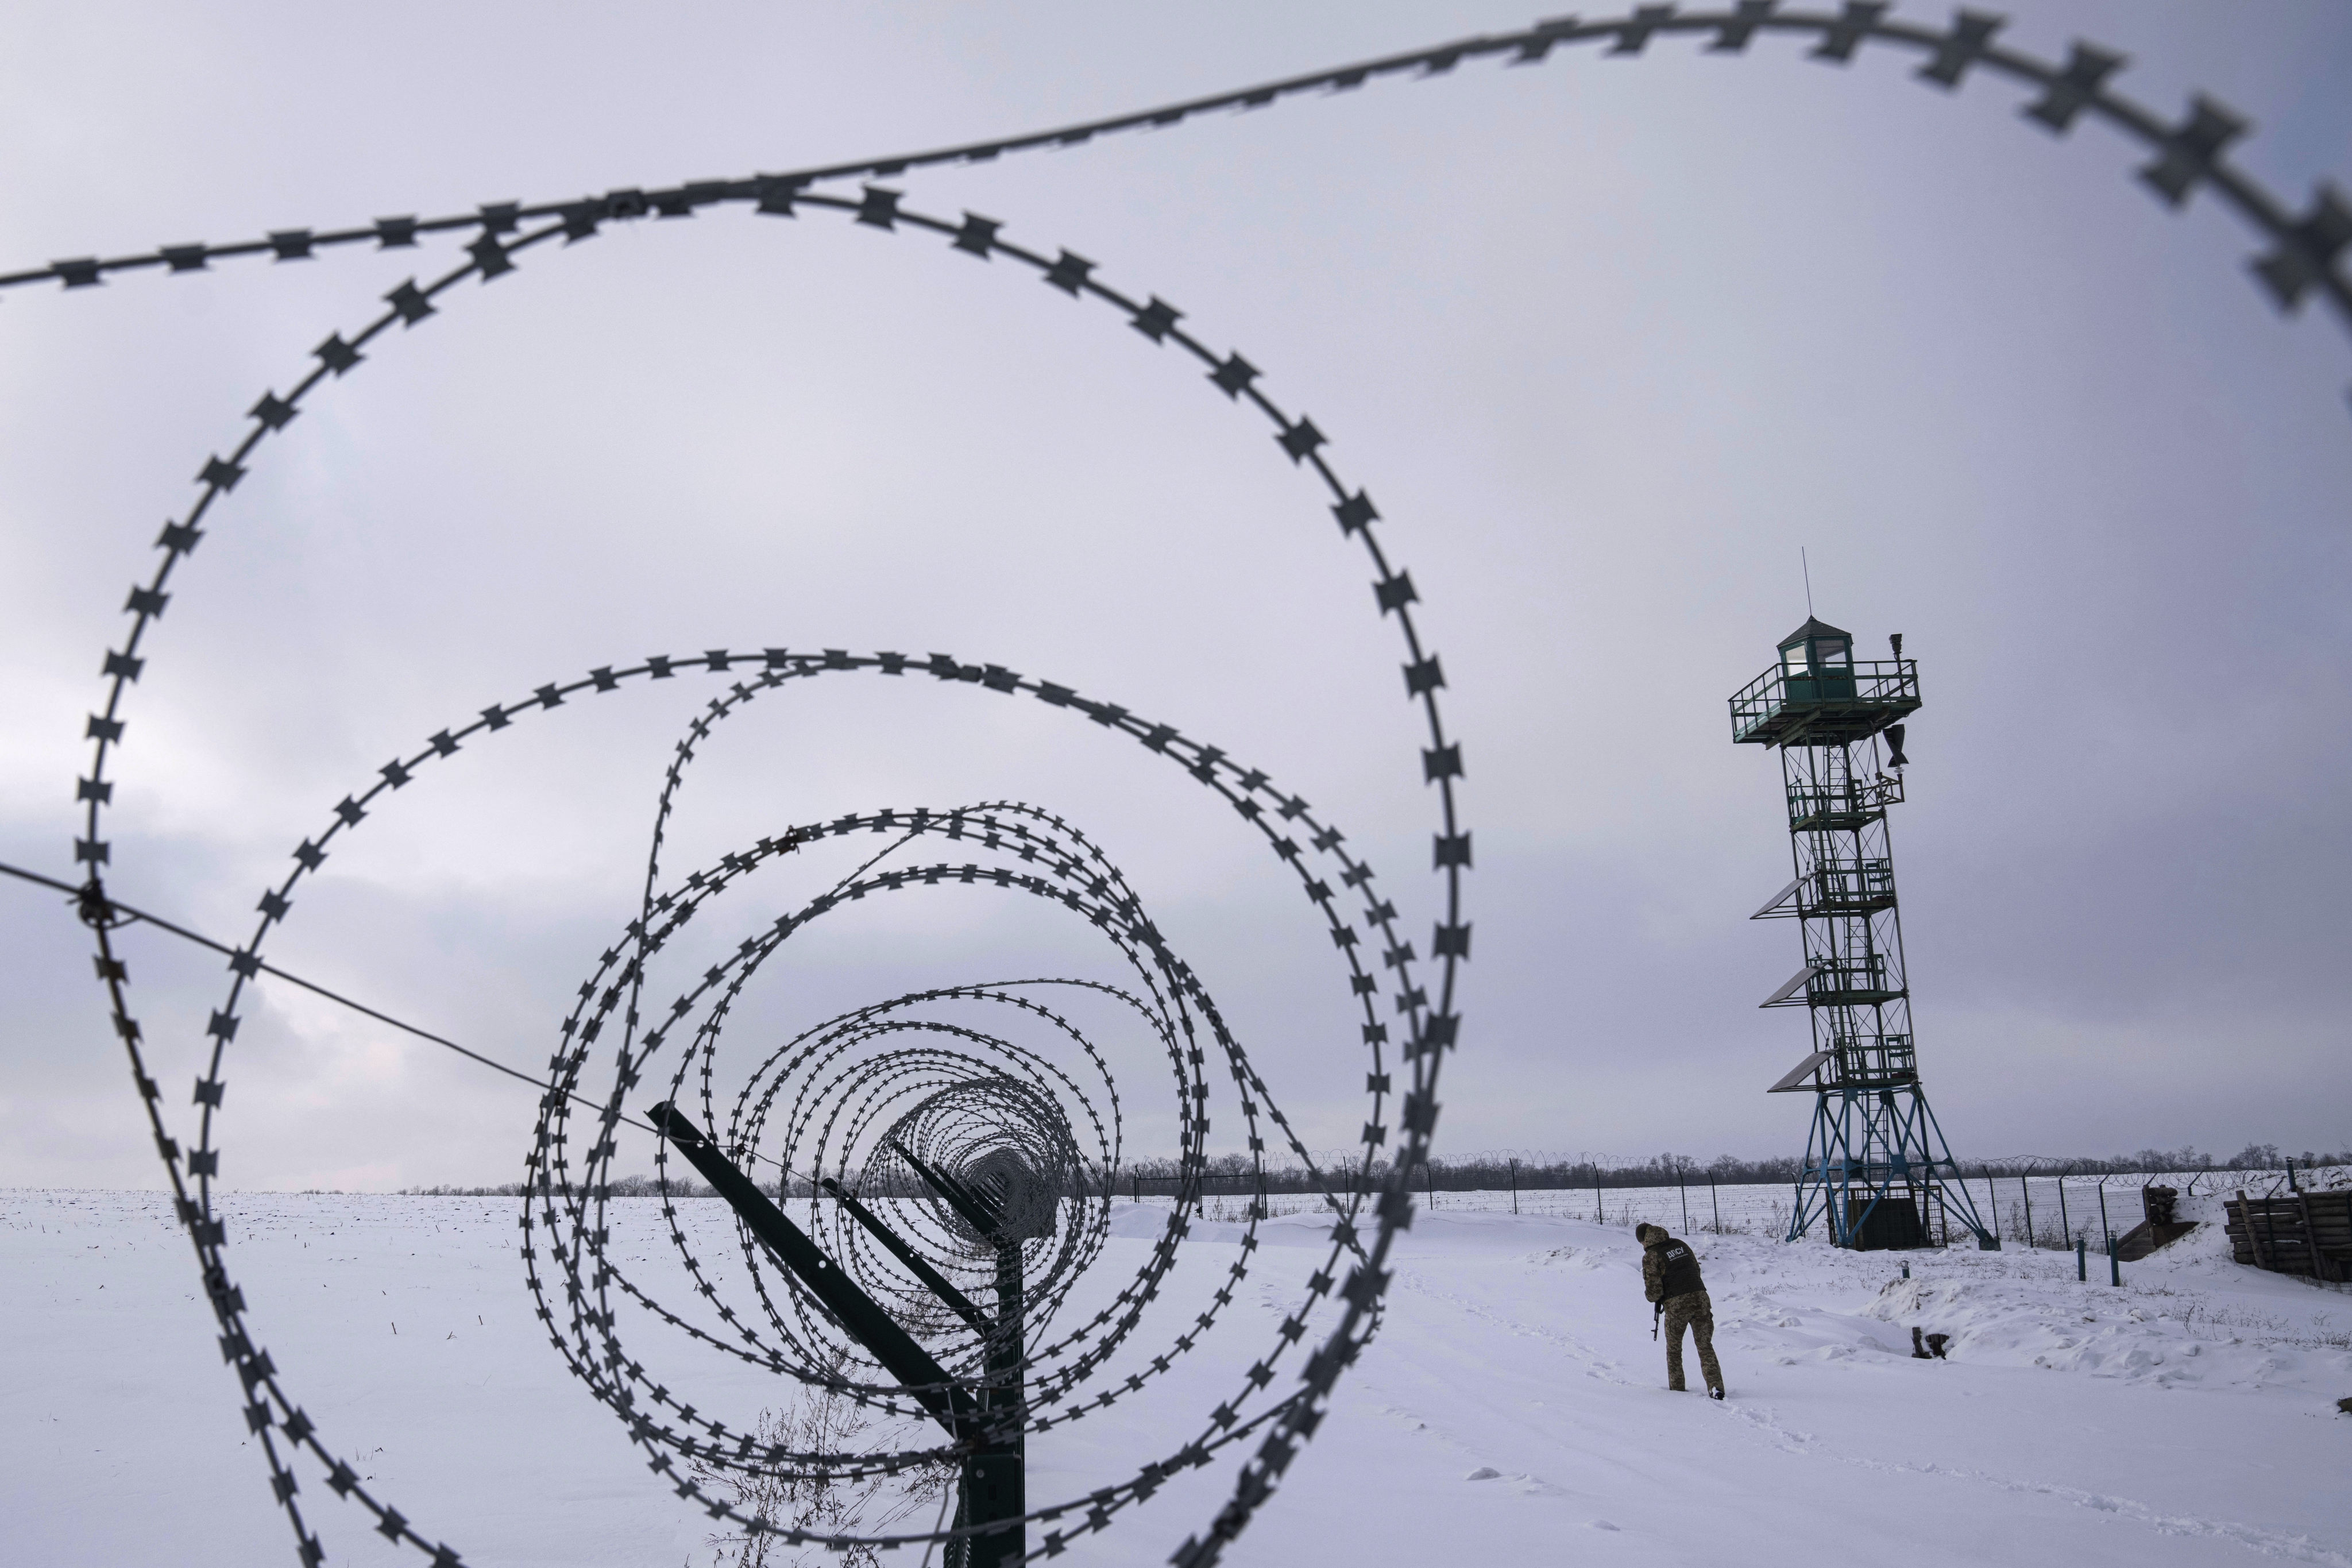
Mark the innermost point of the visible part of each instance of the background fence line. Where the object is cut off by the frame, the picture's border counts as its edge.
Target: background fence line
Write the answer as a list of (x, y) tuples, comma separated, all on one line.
[(2026, 1201)]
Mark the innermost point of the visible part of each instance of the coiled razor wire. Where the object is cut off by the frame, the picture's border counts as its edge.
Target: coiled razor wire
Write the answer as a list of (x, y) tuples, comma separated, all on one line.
[(853, 1085), (874, 1077), (954, 1108)]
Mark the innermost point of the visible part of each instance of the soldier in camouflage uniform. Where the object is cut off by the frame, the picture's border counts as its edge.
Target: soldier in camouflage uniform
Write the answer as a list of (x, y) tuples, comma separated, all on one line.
[(1670, 1277)]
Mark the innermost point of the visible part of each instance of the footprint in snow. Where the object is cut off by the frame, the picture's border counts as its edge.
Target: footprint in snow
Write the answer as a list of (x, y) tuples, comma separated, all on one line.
[(1483, 1473)]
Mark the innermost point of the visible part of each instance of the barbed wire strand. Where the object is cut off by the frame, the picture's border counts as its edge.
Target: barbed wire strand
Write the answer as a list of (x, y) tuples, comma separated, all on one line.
[(2190, 155), (112, 909)]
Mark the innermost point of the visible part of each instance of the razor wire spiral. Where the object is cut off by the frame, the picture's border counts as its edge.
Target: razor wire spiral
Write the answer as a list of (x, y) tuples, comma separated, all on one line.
[(565, 1209), (973, 1089), (980, 1098)]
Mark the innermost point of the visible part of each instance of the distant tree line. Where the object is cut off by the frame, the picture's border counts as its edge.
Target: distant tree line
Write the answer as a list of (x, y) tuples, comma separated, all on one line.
[(1469, 1172), (677, 1187), (1488, 1172), (1552, 1172), (2253, 1157), (619, 1187)]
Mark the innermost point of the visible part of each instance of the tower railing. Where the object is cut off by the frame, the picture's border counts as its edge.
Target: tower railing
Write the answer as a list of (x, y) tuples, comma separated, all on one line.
[(1858, 980), (1872, 1061), (1781, 700), (1850, 886)]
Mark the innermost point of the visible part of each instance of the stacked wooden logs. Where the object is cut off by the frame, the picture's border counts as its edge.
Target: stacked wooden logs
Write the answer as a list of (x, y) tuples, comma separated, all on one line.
[(2295, 1232)]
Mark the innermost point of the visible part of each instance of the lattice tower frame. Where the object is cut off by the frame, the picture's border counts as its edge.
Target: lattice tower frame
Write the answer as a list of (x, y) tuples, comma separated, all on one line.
[(1874, 1139)]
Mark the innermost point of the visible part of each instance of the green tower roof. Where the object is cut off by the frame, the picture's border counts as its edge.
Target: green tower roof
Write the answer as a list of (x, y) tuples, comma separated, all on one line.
[(1814, 627)]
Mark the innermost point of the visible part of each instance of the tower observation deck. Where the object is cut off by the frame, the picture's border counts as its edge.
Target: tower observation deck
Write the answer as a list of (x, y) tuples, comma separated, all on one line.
[(1876, 1166)]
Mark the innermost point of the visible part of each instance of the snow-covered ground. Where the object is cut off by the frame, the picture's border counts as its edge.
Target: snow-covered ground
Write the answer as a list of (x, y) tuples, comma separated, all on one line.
[(1513, 1410)]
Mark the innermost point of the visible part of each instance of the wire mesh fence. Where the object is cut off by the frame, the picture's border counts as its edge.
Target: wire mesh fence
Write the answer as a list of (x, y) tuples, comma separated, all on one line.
[(2055, 1209)]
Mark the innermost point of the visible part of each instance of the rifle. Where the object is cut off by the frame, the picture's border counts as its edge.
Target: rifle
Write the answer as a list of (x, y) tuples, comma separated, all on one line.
[(1657, 1310)]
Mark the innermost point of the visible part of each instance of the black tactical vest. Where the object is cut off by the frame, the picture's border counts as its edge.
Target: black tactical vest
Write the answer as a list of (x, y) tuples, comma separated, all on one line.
[(1677, 1270)]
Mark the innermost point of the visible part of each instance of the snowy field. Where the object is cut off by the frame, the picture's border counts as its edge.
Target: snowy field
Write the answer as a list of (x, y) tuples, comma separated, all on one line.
[(1513, 1410)]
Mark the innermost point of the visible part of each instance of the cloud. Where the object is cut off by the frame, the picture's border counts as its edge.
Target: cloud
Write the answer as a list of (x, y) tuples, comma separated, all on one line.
[(1607, 341)]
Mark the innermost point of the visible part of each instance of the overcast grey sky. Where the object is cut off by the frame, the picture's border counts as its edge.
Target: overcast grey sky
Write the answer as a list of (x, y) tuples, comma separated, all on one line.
[(1607, 340)]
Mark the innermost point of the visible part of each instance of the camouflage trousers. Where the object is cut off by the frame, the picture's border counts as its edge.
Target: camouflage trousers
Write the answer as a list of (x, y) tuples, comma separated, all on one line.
[(1694, 1312)]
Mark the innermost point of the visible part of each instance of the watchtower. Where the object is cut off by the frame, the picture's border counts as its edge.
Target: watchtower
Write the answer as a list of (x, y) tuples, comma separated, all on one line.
[(1877, 1164)]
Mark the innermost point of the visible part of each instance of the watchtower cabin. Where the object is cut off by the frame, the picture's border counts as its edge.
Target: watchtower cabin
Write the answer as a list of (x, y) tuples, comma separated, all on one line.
[(1876, 1166)]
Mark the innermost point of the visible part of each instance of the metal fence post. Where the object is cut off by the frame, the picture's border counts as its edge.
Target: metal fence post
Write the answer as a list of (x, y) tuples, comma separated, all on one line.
[(2028, 1191), (1515, 1186), (2082, 1260)]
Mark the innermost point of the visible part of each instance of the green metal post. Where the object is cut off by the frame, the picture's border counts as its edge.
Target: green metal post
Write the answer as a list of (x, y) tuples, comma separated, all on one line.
[(932, 1277), (857, 1312), (997, 1485), (994, 1486)]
